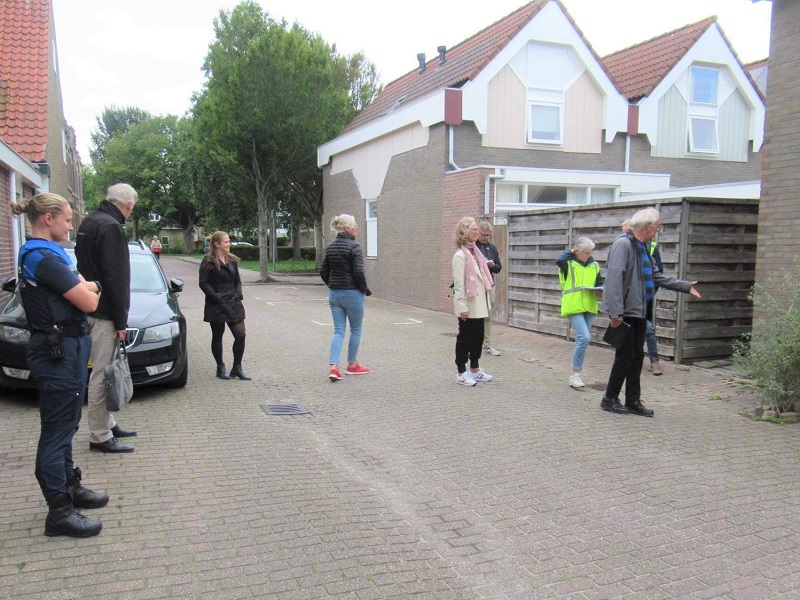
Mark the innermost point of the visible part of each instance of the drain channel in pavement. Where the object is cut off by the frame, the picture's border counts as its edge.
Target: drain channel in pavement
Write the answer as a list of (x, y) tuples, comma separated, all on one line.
[(280, 410)]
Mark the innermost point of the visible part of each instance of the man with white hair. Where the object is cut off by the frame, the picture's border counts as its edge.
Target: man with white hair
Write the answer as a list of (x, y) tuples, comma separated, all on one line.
[(628, 297), (102, 252)]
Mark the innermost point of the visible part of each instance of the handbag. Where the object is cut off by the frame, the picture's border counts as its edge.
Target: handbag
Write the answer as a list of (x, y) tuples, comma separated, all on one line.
[(118, 382), (616, 336)]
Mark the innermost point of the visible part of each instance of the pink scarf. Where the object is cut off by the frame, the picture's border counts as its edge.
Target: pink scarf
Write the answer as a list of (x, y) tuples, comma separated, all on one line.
[(476, 260)]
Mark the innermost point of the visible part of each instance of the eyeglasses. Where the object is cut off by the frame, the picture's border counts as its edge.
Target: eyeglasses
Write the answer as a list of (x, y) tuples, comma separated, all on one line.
[(485, 234)]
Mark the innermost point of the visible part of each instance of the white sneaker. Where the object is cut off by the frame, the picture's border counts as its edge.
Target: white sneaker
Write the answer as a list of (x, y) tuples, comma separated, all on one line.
[(480, 375), (576, 381), (465, 379), (491, 351)]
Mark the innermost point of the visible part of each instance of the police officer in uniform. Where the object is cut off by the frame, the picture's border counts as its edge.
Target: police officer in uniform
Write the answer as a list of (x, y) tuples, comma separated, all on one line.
[(56, 299)]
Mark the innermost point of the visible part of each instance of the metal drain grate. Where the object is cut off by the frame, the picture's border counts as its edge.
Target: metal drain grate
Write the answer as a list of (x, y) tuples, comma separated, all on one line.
[(280, 410)]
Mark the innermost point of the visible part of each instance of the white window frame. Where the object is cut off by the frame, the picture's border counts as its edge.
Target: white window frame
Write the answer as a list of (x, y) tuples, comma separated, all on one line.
[(370, 207), (522, 188), (693, 145), (544, 98), (531, 137), (696, 69)]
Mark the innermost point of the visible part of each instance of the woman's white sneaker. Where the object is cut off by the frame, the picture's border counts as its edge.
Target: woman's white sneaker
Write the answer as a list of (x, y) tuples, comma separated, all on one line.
[(480, 375), (465, 379), (576, 381)]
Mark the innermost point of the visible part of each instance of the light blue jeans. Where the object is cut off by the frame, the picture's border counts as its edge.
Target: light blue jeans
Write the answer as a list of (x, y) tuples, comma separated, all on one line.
[(652, 342), (582, 324), (346, 305)]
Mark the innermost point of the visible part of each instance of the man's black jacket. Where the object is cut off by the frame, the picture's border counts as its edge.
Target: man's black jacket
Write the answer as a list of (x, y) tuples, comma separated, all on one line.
[(102, 252)]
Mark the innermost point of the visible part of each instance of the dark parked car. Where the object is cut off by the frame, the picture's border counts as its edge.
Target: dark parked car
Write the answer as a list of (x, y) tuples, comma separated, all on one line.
[(156, 337)]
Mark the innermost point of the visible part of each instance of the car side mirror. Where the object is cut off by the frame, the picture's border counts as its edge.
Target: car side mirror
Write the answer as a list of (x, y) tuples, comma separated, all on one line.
[(176, 285), (10, 284)]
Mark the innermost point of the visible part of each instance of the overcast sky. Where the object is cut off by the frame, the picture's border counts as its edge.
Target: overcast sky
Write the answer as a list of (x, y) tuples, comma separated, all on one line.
[(149, 53)]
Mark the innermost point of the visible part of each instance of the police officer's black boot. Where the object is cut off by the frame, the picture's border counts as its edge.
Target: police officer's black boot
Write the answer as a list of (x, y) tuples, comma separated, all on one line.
[(81, 497), (63, 519)]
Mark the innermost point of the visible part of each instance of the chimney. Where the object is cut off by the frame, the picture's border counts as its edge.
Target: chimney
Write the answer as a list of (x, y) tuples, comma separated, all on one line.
[(421, 59), (442, 50)]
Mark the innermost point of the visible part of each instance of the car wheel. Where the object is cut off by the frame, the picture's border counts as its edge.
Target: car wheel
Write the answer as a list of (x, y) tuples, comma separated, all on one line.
[(182, 378)]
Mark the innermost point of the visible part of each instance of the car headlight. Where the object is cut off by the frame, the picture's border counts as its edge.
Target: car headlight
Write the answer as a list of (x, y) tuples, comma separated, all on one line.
[(15, 335), (160, 333)]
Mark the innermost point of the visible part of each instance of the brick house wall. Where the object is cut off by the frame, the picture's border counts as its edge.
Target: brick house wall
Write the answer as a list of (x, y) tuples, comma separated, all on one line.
[(469, 152), (693, 171), (779, 214)]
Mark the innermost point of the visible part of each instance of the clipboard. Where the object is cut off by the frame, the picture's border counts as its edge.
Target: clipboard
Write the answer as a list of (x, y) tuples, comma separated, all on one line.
[(616, 336)]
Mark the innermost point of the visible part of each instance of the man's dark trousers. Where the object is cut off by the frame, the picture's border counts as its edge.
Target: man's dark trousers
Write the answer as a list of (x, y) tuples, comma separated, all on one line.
[(628, 364)]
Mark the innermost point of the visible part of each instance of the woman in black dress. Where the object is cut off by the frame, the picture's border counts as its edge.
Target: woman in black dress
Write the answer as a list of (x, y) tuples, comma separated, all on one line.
[(220, 282)]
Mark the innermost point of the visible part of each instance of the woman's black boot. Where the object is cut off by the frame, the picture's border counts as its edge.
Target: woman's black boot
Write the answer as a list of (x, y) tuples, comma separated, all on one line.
[(236, 371), (222, 372)]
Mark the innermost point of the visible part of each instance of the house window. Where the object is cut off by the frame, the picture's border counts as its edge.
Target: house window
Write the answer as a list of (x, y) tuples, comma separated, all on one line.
[(510, 196), (702, 126), (154, 217), (165, 240), (372, 228), (703, 134), (704, 85), (544, 123)]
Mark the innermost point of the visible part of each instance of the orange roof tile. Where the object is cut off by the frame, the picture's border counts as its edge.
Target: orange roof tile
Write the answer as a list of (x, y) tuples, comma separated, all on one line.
[(756, 64), (24, 53), (637, 70)]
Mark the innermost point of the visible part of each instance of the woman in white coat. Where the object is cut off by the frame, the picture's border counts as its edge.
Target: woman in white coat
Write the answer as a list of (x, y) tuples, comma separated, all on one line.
[(472, 282)]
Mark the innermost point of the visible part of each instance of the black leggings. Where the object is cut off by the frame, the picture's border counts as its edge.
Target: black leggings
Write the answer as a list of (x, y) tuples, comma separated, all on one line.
[(469, 343), (217, 330)]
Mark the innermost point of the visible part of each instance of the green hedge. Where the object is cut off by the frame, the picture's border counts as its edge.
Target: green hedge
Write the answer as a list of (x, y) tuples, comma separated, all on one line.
[(284, 253)]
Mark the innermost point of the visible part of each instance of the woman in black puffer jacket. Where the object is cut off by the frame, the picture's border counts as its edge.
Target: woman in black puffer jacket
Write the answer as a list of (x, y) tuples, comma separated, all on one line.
[(343, 272), (220, 282)]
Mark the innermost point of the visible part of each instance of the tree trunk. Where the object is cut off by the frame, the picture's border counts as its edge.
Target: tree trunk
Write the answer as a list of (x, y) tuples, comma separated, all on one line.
[(297, 254), (188, 239), (318, 241)]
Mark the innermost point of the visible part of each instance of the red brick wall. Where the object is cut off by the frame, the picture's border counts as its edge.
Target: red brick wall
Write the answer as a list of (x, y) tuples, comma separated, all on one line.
[(779, 214)]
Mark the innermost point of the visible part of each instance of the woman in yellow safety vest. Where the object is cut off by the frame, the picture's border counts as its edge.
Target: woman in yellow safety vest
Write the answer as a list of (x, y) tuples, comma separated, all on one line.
[(579, 276)]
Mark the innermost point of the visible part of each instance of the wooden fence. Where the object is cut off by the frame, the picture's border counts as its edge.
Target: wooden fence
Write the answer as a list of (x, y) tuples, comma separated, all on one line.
[(712, 241)]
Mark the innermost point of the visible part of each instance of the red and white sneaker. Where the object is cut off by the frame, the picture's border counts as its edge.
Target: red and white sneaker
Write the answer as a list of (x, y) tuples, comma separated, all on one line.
[(335, 375), (356, 369)]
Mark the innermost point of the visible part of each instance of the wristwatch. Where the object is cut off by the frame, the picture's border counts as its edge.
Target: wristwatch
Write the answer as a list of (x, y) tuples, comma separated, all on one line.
[(99, 287)]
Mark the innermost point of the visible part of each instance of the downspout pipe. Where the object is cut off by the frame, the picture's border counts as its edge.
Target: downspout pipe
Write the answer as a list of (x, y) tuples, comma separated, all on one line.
[(627, 152), (451, 149), (499, 174), (12, 196)]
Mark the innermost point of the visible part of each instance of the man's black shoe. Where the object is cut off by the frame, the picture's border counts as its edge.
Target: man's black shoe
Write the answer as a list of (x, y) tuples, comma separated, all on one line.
[(119, 432), (637, 408), (110, 445), (613, 405)]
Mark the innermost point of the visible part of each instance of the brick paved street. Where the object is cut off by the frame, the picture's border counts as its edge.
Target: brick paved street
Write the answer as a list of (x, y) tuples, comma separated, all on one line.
[(403, 484)]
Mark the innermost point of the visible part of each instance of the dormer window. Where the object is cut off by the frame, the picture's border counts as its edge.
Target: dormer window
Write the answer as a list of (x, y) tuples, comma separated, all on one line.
[(704, 85), (703, 130), (545, 117)]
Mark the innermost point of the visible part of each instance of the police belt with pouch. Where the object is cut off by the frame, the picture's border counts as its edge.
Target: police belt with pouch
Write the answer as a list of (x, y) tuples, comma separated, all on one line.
[(68, 328)]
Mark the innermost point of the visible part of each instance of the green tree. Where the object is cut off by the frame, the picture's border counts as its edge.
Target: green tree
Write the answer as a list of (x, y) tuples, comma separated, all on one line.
[(155, 157), (111, 123), (273, 94)]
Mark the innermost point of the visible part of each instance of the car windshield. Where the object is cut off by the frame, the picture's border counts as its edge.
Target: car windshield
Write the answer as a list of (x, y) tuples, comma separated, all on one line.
[(145, 275)]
